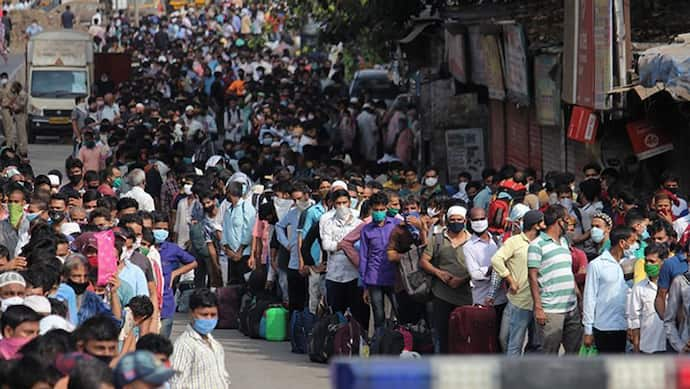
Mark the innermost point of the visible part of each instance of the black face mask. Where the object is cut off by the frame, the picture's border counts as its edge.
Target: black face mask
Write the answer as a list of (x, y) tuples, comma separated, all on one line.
[(56, 216), (104, 358), (74, 178), (209, 209), (79, 287), (456, 227)]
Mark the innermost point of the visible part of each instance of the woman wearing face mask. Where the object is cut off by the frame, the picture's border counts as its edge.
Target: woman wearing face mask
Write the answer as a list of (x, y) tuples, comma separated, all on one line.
[(434, 213), (77, 290), (183, 213)]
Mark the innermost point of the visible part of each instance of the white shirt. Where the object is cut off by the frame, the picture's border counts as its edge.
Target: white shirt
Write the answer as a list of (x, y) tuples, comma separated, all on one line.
[(642, 315), (680, 208), (144, 199), (110, 112), (332, 231), (478, 254), (200, 362), (680, 224)]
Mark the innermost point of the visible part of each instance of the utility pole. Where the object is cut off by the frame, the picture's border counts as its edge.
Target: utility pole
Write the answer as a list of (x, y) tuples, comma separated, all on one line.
[(136, 12)]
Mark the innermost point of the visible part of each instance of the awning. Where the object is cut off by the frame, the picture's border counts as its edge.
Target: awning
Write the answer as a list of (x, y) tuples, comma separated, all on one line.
[(418, 29), (669, 65)]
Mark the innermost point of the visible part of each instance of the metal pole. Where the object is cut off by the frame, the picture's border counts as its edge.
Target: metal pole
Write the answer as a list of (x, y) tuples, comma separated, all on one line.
[(136, 12)]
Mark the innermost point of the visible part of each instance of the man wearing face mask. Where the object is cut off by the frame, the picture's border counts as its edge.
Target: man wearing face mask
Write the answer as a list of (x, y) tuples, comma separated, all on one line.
[(287, 235), (238, 222), (478, 252), (197, 355), (552, 285), (605, 296), (431, 184), (98, 338), (75, 172)]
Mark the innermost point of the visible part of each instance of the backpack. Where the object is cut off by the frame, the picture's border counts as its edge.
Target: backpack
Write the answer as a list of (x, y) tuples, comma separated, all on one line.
[(301, 324), (415, 280), (347, 338), (499, 209), (320, 345), (254, 315), (387, 341), (197, 239)]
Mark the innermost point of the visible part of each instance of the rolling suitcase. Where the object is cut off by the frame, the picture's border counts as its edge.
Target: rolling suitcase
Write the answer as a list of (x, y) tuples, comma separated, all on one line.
[(229, 298), (472, 330)]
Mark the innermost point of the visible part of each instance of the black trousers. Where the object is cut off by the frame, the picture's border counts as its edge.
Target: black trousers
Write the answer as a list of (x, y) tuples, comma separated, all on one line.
[(610, 342), (344, 295), (441, 316), (298, 290)]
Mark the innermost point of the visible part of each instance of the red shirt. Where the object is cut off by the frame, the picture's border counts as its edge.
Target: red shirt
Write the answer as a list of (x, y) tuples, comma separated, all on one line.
[(579, 264)]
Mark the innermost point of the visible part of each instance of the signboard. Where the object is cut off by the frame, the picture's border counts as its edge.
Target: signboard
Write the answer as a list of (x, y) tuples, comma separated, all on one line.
[(570, 23), (516, 78), (585, 54), (465, 152), (648, 140), (455, 52), (476, 54), (59, 53), (493, 61), (583, 125), (547, 71), (603, 52)]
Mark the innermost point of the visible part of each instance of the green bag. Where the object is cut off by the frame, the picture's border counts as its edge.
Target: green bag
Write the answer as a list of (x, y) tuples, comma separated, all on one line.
[(590, 351), (276, 324)]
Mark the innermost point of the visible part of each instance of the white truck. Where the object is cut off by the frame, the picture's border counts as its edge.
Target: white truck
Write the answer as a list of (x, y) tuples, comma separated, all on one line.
[(59, 68)]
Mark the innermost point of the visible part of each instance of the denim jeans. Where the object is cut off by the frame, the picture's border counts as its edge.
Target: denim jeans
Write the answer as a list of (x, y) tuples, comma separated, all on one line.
[(166, 327), (376, 294), (519, 321)]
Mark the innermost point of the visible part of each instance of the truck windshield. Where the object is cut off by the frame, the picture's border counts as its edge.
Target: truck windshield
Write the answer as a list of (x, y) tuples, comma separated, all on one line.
[(58, 83)]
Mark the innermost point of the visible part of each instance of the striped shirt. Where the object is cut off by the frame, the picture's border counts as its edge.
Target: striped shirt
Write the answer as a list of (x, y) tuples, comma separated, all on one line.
[(199, 362), (555, 277)]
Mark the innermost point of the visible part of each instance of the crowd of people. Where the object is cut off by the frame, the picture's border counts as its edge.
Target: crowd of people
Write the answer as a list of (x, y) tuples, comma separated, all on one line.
[(222, 161)]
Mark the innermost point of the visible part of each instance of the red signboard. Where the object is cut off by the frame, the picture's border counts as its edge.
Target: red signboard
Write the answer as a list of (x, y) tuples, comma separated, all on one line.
[(585, 55), (583, 125), (647, 140)]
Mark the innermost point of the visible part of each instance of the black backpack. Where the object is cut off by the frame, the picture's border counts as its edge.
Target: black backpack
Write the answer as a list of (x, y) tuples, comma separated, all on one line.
[(321, 340)]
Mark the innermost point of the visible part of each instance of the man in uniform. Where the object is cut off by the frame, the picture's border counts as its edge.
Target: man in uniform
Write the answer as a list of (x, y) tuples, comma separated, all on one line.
[(6, 113), (19, 101)]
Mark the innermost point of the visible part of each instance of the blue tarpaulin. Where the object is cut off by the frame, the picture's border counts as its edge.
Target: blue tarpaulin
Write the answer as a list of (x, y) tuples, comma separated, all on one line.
[(670, 65)]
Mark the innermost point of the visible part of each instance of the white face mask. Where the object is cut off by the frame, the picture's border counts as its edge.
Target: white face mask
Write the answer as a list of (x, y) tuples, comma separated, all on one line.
[(432, 212), (282, 206), (187, 189), (431, 181), (479, 226), (342, 212)]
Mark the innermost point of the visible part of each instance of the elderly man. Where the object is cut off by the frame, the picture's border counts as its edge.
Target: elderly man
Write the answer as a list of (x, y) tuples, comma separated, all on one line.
[(137, 179)]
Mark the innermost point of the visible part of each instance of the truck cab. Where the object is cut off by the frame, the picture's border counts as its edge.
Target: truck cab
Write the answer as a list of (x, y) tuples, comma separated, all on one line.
[(59, 68)]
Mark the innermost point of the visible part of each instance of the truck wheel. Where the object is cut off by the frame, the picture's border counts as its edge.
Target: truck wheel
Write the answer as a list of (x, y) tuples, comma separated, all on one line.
[(31, 133)]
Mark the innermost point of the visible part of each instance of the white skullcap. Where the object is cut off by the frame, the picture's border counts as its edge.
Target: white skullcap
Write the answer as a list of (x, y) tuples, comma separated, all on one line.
[(8, 302), (213, 161), (70, 228), (39, 304), (338, 184), (456, 210), (189, 108), (54, 180), (11, 277), (54, 322)]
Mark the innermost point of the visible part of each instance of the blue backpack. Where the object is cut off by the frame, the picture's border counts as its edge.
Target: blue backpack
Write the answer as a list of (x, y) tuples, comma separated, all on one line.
[(301, 324)]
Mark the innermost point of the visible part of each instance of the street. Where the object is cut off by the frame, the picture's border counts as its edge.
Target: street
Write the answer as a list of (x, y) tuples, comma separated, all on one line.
[(251, 362)]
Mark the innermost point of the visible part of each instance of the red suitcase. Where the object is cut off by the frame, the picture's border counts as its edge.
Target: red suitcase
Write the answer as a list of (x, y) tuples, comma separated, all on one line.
[(472, 330)]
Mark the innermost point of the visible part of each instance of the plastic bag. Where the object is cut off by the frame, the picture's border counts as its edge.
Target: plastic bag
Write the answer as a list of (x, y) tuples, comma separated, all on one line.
[(588, 351)]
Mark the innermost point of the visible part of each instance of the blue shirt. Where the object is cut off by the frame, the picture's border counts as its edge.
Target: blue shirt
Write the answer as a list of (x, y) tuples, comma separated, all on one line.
[(312, 217), (238, 223), (672, 267), (66, 293), (483, 198), (135, 277), (172, 258), (606, 295), (286, 233)]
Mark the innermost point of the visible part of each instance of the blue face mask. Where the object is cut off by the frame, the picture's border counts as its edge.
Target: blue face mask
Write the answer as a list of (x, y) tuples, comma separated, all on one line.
[(187, 160), (160, 235), (31, 216), (239, 154), (353, 203), (204, 326), (645, 235)]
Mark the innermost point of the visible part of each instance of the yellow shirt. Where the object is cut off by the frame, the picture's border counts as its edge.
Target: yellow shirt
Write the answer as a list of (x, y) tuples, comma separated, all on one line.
[(511, 259)]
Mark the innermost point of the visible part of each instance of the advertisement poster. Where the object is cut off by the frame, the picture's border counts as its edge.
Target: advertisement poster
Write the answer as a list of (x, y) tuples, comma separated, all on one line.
[(491, 47), (516, 76), (465, 152), (455, 52), (547, 72)]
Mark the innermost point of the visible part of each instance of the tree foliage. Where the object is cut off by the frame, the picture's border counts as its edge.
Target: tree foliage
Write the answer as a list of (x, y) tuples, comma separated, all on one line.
[(368, 26)]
